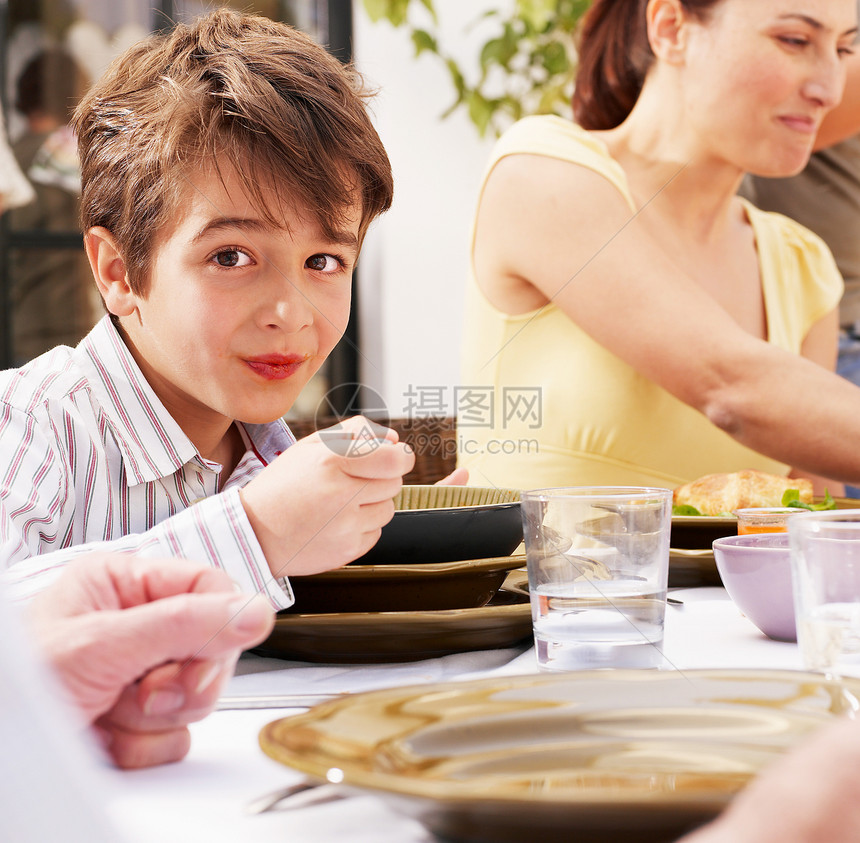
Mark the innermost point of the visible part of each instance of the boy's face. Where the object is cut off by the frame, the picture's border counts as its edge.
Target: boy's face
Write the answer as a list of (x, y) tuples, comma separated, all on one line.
[(238, 315)]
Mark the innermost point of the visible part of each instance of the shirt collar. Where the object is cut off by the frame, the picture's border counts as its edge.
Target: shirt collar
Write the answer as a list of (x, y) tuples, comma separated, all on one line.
[(270, 440), (152, 444)]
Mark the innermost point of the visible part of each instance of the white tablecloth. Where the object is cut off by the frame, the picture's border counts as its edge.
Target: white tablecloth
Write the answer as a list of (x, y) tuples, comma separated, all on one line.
[(203, 797)]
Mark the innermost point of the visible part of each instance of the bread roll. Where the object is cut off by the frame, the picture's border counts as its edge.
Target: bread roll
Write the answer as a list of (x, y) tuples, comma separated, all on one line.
[(716, 493)]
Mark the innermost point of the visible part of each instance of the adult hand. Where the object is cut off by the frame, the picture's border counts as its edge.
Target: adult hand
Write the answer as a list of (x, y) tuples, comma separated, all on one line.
[(458, 477), (325, 500), (144, 646), (811, 795)]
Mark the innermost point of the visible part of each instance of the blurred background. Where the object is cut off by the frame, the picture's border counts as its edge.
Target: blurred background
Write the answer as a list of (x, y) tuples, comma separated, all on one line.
[(402, 345)]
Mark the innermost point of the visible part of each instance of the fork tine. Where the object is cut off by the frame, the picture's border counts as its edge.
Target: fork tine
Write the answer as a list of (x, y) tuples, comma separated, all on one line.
[(301, 795)]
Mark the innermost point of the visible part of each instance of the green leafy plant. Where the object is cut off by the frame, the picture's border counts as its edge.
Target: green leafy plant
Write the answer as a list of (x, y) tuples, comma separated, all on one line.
[(527, 66)]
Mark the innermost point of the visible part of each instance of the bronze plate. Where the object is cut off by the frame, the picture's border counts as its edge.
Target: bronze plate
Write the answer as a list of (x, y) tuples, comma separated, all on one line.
[(402, 588), (375, 637), (585, 756)]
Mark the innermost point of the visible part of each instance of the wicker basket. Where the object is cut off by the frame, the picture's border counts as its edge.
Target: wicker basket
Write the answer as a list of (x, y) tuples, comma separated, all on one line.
[(434, 440)]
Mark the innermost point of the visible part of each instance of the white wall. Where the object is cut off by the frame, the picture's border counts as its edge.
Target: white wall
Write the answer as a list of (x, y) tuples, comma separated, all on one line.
[(414, 263)]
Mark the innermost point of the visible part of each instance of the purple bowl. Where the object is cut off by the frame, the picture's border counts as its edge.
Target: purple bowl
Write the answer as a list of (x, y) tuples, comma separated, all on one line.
[(756, 572)]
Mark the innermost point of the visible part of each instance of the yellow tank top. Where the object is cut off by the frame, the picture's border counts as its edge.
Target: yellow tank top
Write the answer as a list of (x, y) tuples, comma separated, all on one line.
[(542, 404)]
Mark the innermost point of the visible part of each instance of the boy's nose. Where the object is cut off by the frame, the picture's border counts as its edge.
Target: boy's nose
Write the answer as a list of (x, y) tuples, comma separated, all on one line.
[(290, 309)]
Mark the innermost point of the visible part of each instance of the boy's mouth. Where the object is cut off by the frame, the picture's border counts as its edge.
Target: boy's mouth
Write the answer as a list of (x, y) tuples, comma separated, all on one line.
[(275, 367)]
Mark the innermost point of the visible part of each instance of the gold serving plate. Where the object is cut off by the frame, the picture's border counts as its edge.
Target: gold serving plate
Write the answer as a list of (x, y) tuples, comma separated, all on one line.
[(589, 756)]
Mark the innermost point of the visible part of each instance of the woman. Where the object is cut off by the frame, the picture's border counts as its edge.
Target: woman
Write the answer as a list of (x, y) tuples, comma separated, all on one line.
[(673, 330)]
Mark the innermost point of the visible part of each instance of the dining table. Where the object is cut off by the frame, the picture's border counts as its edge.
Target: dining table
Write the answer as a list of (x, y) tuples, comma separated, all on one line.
[(210, 795)]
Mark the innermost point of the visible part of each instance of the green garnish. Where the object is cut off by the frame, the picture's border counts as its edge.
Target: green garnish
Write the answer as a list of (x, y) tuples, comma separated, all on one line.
[(792, 498)]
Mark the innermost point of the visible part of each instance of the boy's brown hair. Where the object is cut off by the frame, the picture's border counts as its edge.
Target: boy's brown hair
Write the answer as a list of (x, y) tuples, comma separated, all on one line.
[(232, 88)]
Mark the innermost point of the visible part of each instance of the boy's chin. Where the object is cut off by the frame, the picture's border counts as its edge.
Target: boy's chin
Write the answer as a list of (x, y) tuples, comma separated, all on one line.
[(266, 405), (262, 418)]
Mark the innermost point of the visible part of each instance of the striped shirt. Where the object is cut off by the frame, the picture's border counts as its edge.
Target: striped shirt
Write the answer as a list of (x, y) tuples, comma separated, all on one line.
[(91, 460)]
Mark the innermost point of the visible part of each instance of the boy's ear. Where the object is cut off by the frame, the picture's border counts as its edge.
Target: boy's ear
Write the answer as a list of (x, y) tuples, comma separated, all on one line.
[(667, 32), (109, 270)]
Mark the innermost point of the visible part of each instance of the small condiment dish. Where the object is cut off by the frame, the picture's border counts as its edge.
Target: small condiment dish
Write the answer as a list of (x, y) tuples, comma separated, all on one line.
[(756, 572)]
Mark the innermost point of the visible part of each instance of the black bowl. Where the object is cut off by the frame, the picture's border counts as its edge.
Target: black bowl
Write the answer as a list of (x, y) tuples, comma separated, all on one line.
[(448, 524)]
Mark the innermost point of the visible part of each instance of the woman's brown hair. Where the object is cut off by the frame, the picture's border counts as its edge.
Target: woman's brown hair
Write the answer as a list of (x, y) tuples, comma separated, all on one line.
[(234, 89), (614, 58)]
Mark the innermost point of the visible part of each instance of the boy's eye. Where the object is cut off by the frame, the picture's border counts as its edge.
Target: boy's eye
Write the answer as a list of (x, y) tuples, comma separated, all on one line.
[(323, 263), (231, 258)]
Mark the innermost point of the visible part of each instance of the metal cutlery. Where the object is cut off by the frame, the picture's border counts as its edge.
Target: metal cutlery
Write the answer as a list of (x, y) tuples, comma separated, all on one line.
[(293, 797), (241, 702)]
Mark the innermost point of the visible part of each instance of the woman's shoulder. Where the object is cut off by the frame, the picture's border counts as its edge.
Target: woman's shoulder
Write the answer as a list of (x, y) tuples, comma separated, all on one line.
[(795, 259), (553, 137), (548, 134), (548, 126), (784, 237)]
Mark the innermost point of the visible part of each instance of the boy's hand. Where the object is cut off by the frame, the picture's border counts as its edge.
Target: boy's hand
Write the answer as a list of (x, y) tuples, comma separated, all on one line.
[(325, 500)]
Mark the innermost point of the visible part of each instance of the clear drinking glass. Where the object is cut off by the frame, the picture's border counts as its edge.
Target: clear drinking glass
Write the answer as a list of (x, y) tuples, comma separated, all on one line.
[(765, 519), (825, 560), (598, 562)]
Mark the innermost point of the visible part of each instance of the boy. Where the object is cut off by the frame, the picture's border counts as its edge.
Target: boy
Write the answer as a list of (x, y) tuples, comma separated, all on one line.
[(229, 174)]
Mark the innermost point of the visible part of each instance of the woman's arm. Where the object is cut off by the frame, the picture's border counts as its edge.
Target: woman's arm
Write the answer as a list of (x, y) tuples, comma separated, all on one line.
[(549, 230), (821, 347)]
